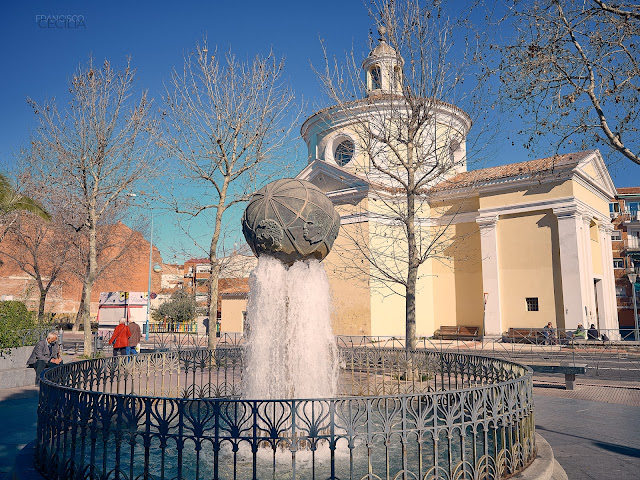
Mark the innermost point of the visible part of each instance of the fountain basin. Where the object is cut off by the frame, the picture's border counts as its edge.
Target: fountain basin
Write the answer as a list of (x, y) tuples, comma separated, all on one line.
[(181, 415)]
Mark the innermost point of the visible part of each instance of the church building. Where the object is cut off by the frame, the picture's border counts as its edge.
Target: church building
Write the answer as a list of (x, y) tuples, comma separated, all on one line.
[(516, 245)]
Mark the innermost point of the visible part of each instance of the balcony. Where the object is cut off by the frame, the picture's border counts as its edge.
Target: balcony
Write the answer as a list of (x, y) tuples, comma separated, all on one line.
[(630, 217)]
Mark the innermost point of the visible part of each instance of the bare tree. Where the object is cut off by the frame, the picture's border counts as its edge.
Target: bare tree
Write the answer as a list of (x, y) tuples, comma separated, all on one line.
[(42, 249), (573, 65), (410, 135), (96, 148), (227, 123)]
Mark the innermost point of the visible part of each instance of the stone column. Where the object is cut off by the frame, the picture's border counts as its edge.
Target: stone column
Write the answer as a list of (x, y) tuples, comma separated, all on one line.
[(490, 273), (605, 230), (587, 257), (570, 239)]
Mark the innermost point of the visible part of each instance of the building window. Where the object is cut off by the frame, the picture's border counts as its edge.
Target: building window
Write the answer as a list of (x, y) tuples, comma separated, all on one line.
[(621, 292), (616, 236), (614, 207), (344, 152), (618, 263), (532, 304), (376, 82)]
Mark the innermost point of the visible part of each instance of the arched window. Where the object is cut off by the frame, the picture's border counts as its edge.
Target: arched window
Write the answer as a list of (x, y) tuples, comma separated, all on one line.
[(344, 152), (376, 80)]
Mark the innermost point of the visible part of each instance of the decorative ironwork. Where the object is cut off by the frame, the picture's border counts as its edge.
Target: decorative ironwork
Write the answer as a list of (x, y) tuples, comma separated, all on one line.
[(174, 415)]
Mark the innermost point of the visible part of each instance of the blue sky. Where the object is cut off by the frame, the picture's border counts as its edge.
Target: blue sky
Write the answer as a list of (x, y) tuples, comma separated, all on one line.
[(37, 61)]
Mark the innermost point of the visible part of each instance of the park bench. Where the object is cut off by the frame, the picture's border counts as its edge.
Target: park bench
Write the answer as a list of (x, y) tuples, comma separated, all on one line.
[(525, 335), (458, 331), (570, 370)]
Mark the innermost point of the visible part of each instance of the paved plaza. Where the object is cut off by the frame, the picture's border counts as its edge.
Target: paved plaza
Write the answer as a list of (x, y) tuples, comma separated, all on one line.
[(593, 429)]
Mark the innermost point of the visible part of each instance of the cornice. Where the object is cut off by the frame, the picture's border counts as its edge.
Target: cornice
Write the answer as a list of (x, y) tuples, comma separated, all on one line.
[(344, 114)]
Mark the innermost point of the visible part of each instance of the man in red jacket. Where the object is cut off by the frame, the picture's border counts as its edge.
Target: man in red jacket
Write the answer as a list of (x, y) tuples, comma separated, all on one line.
[(120, 338)]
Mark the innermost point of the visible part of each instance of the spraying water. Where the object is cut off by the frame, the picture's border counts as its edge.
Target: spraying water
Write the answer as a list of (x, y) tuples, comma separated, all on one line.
[(291, 351)]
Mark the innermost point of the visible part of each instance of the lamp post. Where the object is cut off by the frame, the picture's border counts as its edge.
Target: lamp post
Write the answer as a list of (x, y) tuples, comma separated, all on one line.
[(632, 275), (146, 329)]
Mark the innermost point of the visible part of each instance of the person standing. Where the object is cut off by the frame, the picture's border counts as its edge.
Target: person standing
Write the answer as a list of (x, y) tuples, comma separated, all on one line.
[(45, 354), (120, 338), (134, 339)]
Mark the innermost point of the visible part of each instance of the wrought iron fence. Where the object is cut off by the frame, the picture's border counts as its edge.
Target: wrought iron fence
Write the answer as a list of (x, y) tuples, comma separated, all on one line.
[(426, 415), (606, 360), (178, 341)]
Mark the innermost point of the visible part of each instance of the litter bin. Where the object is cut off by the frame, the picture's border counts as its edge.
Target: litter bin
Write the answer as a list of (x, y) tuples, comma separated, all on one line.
[(98, 342)]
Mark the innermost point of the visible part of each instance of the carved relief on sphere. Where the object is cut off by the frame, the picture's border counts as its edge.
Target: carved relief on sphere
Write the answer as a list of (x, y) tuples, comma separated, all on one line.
[(291, 220)]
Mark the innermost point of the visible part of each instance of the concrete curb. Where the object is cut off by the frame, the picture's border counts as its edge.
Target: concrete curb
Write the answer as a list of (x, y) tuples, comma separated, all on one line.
[(545, 466)]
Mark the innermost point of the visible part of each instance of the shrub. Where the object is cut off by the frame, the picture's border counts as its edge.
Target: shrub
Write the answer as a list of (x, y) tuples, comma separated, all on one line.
[(15, 321)]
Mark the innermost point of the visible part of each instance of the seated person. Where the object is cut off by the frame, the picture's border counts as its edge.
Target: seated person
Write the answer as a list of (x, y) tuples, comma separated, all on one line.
[(46, 354), (580, 333), (592, 333), (549, 334)]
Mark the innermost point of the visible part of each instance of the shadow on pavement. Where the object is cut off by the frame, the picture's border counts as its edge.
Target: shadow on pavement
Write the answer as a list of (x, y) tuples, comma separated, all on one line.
[(611, 447), (18, 409)]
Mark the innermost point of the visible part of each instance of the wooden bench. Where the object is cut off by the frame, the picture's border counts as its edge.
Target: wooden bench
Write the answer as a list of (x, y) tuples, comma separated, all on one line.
[(525, 335), (459, 331), (570, 370)]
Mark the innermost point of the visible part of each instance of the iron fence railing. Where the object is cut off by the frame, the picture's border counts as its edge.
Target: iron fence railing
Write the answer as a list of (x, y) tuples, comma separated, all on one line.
[(605, 360), (399, 414)]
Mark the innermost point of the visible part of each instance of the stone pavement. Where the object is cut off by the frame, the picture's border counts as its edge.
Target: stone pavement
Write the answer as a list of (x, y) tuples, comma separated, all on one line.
[(593, 430)]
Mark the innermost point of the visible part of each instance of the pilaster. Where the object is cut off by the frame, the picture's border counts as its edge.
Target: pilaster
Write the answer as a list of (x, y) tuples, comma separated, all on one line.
[(490, 273), (571, 241), (610, 319)]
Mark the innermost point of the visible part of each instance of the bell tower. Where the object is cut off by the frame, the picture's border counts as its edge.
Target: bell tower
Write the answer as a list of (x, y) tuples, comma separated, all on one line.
[(383, 68)]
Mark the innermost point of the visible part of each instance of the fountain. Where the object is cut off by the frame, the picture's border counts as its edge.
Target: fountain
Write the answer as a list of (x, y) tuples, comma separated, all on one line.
[(282, 406), (290, 225)]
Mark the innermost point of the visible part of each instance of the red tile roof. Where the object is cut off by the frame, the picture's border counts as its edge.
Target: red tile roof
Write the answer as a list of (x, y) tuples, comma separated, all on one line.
[(628, 191), (540, 165)]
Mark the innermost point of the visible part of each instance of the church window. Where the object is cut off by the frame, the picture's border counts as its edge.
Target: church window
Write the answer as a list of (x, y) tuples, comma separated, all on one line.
[(376, 81), (344, 152), (532, 304)]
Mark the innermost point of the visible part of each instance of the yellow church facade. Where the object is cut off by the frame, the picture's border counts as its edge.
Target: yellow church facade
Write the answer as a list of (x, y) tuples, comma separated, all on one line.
[(518, 245)]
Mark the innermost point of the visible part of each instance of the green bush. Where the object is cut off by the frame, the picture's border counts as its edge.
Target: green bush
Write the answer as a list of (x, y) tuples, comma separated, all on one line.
[(181, 307), (15, 321)]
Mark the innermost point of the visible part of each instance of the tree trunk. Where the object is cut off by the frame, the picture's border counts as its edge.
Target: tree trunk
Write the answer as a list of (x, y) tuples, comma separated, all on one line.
[(85, 315), (413, 263), (88, 283), (215, 270), (41, 303), (213, 302), (78, 321)]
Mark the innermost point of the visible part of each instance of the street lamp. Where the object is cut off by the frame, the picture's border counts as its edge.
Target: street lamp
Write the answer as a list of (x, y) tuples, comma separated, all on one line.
[(632, 275), (146, 329)]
